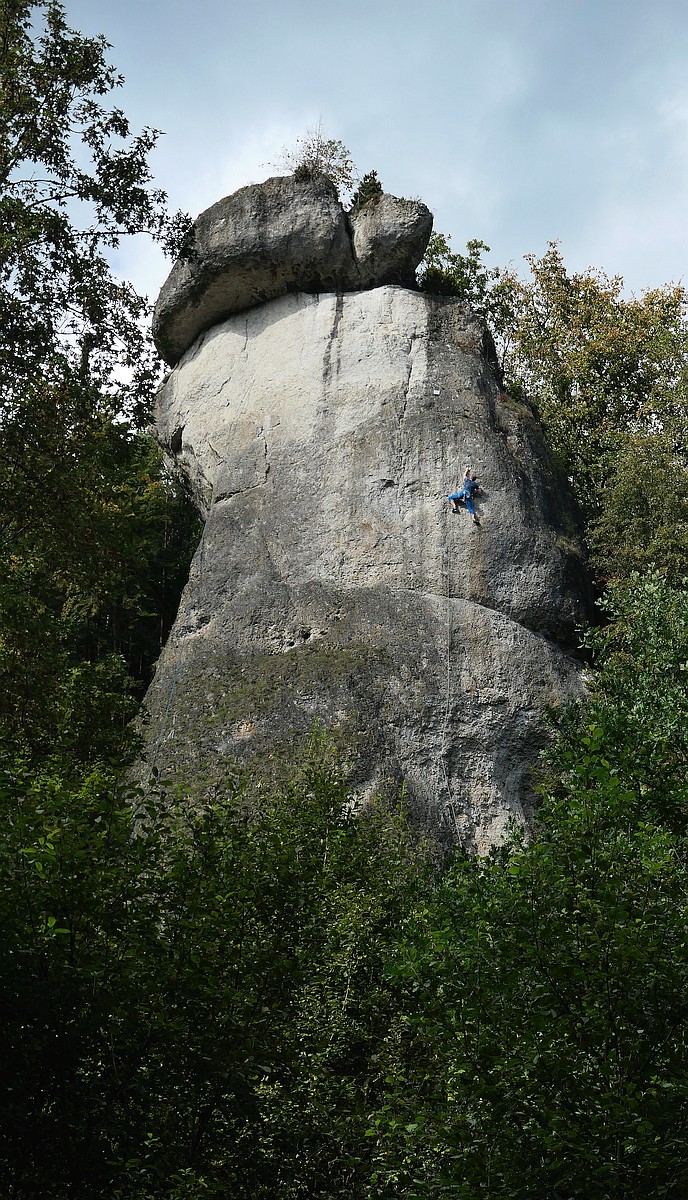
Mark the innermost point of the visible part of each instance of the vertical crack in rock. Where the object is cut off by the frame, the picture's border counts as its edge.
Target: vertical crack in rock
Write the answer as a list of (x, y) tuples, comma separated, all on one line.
[(348, 225), (402, 455), (332, 346), (406, 386)]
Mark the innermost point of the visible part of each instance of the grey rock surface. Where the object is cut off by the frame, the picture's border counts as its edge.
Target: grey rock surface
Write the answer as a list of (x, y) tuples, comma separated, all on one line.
[(284, 235), (321, 436), (389, 240)]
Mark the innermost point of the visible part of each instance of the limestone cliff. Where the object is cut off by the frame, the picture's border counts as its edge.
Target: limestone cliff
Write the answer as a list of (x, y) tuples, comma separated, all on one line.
[(321, 435)]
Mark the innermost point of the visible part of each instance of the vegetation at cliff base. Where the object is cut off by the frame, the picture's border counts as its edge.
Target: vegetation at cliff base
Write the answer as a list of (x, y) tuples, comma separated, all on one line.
[(192, 1002), (288, 999), (540, 1046)]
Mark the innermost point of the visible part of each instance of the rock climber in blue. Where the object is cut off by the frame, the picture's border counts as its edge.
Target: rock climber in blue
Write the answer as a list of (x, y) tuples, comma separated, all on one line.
[(469, 488)]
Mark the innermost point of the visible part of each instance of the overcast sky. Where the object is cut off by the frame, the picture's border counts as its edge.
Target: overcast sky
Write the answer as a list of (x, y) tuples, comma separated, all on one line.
[(516, 121)]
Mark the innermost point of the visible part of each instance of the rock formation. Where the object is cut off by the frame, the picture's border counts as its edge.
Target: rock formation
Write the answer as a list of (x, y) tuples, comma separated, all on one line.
[(321, 434), (284, 235)]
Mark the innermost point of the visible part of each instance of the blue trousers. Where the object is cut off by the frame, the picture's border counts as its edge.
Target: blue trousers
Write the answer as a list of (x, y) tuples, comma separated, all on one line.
[(466, 497)]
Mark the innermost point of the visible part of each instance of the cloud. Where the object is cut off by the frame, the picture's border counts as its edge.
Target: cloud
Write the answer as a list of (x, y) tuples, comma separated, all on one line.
[(515, 123)]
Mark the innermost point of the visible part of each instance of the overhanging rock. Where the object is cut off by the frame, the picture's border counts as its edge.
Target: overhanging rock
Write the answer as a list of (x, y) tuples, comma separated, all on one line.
[(284, 235)]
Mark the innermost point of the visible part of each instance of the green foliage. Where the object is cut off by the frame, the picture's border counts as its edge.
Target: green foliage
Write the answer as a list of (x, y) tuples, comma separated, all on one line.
[(640, 693), (541, 1048), (442, 272), (644, 518), (93, 557), (445, 273), (73, 182), (73, 919), (93, 538), (192, 997), (602, 368), (274, 996), (368, 189), (316, 154)]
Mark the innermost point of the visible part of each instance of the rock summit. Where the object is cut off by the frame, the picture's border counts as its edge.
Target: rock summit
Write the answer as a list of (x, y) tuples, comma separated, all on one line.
[(285, 235)]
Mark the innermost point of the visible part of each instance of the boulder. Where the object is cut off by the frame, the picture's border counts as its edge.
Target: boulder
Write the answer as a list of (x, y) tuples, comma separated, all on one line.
[(389, 239), (321, 436), (287, 234)]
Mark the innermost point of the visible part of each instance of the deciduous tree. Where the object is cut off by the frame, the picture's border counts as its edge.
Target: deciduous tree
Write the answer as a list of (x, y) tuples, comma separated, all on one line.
[(601, 367), (192, 1002), (541, 1047), (75, 360)]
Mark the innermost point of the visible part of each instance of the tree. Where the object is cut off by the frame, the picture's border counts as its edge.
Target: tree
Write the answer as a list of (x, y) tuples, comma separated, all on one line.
[(314, 153), (540, 1049), (446, 273), (74, 359), (94, 556), (644, 519), (640, 696), (368, 189), (73, 182), (600, 368), (192, 1000)]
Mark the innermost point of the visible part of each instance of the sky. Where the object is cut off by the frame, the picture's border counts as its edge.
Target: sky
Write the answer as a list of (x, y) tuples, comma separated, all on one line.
[(517, 121)]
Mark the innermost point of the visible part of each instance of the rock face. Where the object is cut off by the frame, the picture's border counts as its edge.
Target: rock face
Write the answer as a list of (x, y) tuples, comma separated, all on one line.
[(284, 235), (321, 434), (389, 238)]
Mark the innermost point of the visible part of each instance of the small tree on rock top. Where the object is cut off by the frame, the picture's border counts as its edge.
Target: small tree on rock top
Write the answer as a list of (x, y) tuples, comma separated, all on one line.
[(314, 153), (368, 189)]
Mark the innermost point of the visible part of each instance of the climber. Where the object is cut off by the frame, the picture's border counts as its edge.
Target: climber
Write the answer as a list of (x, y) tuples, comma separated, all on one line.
[(460, 495), (469, 488)]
